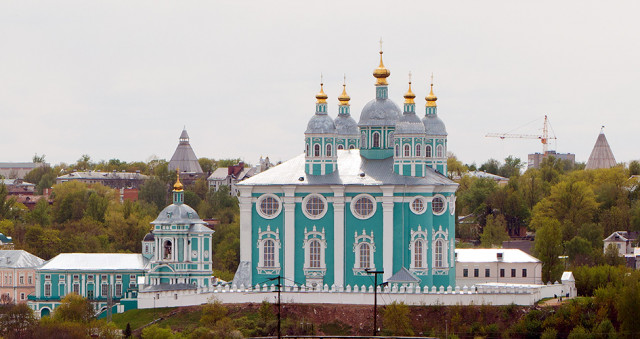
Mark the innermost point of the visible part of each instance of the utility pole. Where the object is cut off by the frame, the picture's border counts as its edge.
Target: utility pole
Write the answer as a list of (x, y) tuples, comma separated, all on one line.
[(375, 299), (279, 334), (109, 304)]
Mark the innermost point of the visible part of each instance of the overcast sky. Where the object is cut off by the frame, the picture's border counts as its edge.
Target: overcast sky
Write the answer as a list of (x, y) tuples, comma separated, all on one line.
[(120, 79)]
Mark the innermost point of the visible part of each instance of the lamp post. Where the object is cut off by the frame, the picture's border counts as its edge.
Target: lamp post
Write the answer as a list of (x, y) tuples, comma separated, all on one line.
[(375, 298)]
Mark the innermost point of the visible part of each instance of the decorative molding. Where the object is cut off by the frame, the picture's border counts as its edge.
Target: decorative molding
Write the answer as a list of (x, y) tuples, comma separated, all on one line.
[(259, 203), (359, 240)]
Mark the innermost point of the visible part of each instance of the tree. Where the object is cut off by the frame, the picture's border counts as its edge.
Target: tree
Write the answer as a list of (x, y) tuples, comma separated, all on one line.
[(396, 320), (38, 159), (634, 167), (207, 165), (490, 166), (578, 250), (612, 256), (74, 308), (628, 304), (18, 321), (455, 166), (6, 203), (212, 312), (532, 187), (156, 332), (548, 248), (154, 191), (474, 200), (41, 214), (127, 331), (511, 167), (494, 233)]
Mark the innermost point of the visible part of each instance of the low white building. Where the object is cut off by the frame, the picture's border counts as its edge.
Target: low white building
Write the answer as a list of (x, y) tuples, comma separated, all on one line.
[(496, 265)]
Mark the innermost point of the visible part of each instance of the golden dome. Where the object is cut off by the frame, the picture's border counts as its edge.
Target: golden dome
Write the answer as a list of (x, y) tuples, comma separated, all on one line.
[(409, 96), (431, 98), (381, 73), (321, 96), (178, 185), (344, 97)]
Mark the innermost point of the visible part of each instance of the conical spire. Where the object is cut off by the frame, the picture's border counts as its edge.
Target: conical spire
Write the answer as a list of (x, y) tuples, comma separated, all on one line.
[(601, 155)]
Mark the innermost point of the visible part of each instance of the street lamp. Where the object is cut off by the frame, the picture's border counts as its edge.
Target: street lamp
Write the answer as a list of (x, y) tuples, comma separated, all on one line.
[(375, 298)]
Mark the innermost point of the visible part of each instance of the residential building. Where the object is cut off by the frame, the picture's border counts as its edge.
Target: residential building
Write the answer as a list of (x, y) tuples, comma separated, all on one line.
[(116, 180), (230, 177), (350, 205), (17, 170), (18, 187), (496, 265), (17, 274), (623, 241), (535, 159)]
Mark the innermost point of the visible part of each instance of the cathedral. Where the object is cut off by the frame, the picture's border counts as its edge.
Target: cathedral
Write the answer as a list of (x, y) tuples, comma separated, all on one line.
[(363, 197)]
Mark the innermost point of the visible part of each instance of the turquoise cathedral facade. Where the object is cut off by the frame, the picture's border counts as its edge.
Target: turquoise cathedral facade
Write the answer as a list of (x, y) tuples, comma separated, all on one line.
[(364, 196), (176, 256)]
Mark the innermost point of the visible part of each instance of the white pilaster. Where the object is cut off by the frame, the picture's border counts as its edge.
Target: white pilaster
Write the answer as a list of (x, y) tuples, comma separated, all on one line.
[(245, 223), (387, 231), (289, 254), (338, 235)]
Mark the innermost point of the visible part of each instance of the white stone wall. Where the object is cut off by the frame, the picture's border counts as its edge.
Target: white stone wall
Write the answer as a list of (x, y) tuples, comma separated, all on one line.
[(534, 273), (499, 294)]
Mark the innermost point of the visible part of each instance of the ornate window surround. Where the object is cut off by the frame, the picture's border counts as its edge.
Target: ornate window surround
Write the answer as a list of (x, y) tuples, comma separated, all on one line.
[(440, 239), (422, 236), (424, 205), (309, 237), (363, 238), (444, 204), (268, 234)]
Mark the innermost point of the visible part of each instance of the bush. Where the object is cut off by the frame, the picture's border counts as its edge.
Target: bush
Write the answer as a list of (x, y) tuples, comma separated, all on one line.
[(395, 319)]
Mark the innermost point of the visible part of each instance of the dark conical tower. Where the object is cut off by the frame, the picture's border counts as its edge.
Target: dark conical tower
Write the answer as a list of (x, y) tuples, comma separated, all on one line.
[(184, 157)]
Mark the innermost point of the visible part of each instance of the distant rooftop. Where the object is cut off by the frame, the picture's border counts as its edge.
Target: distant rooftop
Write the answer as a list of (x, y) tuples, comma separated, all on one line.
[(491, 255), (96, 262), (96, 175), (19, 259)]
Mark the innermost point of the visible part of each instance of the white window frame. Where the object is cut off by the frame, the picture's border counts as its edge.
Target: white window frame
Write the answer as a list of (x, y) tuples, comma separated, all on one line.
[(415, 200), (314, 236), (307, 213), (444, 204), (418, 150), (359, 240), (328, 150), (440, 239), (440, 151), (407, 150), (268, 234), (47, 289), (259, 208), (316, 150), (373, 139), (428, 151), (352, 206), (421, 236)]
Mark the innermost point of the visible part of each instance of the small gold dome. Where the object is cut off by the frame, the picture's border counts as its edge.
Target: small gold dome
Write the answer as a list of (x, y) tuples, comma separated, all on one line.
[(178, 185), (409, 96), (381, 73), (431, 98), (321, 96), (344, 97)]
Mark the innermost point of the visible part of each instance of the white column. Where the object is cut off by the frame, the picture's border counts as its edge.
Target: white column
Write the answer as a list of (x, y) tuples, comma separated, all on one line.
[(338, 234), (288, 257), (245, 223), (387, 231)]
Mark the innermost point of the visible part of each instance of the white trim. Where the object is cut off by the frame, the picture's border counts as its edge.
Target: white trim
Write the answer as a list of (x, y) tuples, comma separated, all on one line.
[(419, 235), (424, 205), (358, 241), (262, 238), (355, 199), (444, 204), (259, 202), (314, 235), (324, 209)]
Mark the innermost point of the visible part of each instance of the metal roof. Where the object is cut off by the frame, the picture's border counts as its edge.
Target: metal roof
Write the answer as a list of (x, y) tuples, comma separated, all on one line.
[(409, 123), (350, 167), (96, 262), (19, 259), (403, 276), (601, 155), (345, 125), (433, 125), (96, 175), (184, 157), (180, 214), (509, 255), (321, 123), (379, 112), (18, 165)]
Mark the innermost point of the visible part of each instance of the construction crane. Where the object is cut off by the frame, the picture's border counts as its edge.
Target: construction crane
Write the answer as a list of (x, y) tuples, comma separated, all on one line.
[(544, 138)]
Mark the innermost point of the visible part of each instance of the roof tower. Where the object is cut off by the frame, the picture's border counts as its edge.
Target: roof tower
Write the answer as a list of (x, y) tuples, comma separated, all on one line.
[(601, 155), (184, 157)]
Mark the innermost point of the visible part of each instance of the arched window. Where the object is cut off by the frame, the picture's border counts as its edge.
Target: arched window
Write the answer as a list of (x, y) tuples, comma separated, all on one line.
[(439, 151), (397, 150), (167, 250), (427, 151), (376, 139), (439, 253), (417, 254), (352, 147), (365, 255), (407, 150), (307, 149), (316, 150), (340, 147), (418, 149), (269, 253), (329, 150), (314, 254)]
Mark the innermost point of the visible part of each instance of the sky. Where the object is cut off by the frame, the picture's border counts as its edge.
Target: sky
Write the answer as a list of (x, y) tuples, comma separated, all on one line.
[(120, 79)]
